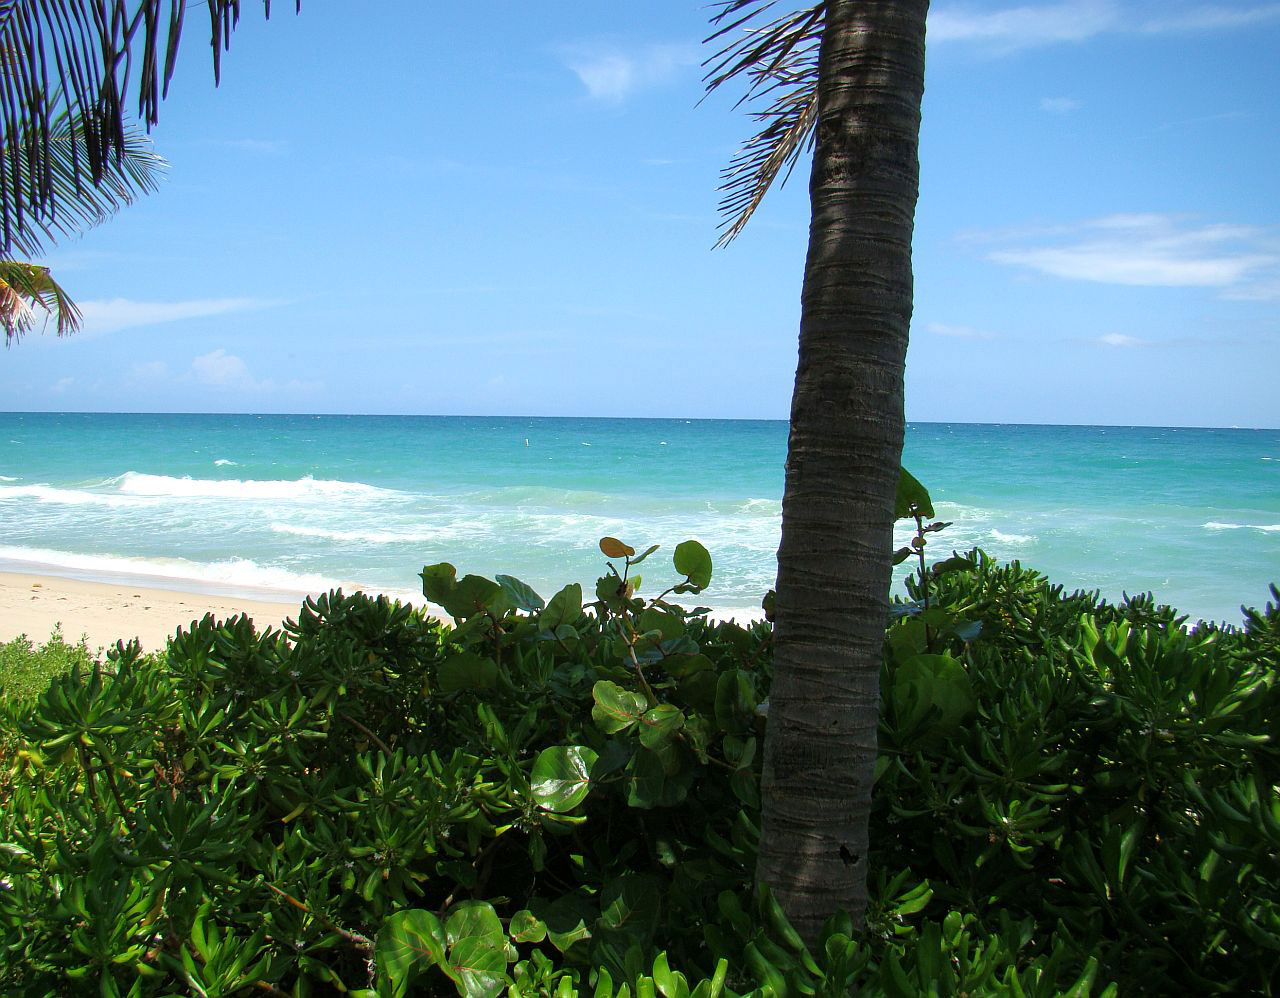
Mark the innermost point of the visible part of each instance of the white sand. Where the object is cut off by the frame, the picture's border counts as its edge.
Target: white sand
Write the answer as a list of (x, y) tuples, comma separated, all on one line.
[(104, 613)]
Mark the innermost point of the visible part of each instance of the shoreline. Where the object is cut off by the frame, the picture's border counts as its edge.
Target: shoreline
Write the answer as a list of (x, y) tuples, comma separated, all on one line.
[(105, 612), (33, 604)]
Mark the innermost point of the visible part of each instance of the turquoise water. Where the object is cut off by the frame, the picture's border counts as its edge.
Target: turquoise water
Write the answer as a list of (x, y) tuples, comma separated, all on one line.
[(266, 505)]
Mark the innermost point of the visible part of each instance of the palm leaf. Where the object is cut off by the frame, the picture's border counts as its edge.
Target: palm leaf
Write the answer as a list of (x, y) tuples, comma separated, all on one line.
[(136, 170), (779, 60), (29, 294), (87, 58)]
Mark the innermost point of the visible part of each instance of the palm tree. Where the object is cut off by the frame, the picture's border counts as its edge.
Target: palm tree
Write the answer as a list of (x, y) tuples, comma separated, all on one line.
[(85, 59), (845, 77), (68, 156), (28, 292)]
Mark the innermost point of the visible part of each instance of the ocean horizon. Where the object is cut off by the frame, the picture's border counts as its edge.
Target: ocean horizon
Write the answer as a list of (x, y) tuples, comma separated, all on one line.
[(270, 505)]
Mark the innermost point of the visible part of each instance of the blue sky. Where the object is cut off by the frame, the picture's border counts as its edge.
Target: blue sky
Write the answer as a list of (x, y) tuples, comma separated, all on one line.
[(426, 211)]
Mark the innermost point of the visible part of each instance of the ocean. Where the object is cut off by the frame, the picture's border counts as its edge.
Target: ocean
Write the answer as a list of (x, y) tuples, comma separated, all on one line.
[(270, 505)]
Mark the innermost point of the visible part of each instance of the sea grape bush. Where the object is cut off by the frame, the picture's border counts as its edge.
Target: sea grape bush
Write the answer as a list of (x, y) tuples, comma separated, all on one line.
[(561, 797)]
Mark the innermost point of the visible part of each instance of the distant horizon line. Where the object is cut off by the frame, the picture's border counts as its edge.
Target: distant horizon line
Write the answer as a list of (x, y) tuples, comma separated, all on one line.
[(656, 419)]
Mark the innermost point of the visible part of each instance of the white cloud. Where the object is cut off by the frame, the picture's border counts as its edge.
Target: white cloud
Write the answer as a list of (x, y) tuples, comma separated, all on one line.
[(115, 314), (1002, 31), (960, 332), (61, 385), (1029, 26), (220, 369), (1211, 17), (612, 74), (1059, 105), (1121, 340), (1152, 250)]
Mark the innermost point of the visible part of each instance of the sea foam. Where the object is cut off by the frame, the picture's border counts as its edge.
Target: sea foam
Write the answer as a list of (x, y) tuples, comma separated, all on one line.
[(239, 575), (163, 486), (1269, 528)]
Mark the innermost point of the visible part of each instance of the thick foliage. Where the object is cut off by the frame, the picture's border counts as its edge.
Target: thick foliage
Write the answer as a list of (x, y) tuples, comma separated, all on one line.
[(558, 798)]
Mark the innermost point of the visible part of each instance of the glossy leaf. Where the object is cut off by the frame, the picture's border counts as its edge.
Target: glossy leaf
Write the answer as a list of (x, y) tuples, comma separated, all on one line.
[(561, 777)]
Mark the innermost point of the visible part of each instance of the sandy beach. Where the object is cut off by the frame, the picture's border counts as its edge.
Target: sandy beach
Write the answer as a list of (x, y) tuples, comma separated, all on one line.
[(104, 613)]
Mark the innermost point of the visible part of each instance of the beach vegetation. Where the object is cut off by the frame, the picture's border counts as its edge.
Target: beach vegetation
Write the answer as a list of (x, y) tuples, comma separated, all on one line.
[(25, 668), (563, 796)]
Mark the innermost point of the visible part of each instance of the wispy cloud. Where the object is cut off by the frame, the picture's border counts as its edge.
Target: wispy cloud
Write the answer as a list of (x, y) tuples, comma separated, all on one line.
[(960, 332), (114, 314), (1211, 17), (1013, 28), (1004, 30), (1120, 340), (611, 73), (1059, 105), (1151, 250)]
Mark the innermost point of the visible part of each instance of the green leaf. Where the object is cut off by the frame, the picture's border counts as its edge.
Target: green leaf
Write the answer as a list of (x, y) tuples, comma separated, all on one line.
[(439, 582), (912, 498), (408, 943), (660, 724), (647, 780), (629, 904), (735, 700), (939, 681), (561, 777), (647, 551), (565, 607), (526, 927), (693, 561), (522, 597), (467, 671), (477, 950), (615, 709), (471, 596), (668, 624)]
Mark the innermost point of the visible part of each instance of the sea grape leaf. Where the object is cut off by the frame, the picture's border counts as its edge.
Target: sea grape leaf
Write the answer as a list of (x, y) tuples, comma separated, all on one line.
[(615, 709), (629, 904), (471, 595), (467, 671), (409, 942), (668, 624), (522, 597), (735, 700), (912, 498), (438, 582), (659, 725), (647, 780), (526, 927), (645, 554), (693, 561), (561, 777), (939, 681), (614, 548), (566, 919), (477, 950), (564, 608)]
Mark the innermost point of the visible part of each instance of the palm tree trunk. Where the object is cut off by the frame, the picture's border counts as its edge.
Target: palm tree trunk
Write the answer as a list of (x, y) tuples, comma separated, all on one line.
[(842, 461)]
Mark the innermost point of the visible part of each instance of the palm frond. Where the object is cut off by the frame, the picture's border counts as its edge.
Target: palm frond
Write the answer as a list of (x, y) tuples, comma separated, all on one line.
[(29, 294), (87, 58), (779, 61), (135, 171)]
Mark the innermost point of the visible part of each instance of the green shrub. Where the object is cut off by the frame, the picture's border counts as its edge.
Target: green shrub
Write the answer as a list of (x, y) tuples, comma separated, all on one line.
[(25, 670), (559, 798)]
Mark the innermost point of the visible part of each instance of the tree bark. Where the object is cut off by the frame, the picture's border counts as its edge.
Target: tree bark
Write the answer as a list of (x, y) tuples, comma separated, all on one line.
[(844, 451)]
